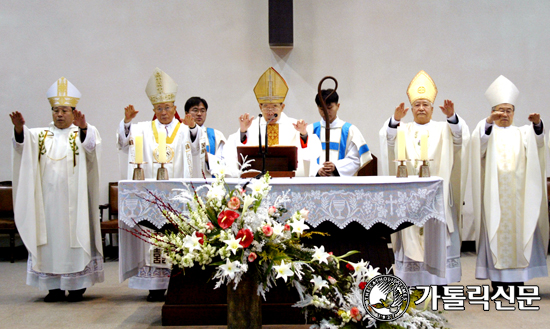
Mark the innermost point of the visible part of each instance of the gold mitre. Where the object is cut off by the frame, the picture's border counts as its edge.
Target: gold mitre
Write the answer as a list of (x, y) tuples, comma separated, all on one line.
[(422, 87), (161, 88), (63, 93), (502, 91), (271, 87)]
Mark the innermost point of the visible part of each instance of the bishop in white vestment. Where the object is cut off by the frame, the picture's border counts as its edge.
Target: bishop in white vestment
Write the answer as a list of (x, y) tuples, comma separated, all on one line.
[(215, 140), (447, 142), (164, 139), (509, 186), (270, 92), (348, 150), (56, 191)]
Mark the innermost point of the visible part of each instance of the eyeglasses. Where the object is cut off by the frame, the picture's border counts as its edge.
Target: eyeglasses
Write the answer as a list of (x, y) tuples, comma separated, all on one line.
[(270, 109), (64, 111), (507, 111), (201, 111), (160, 109)]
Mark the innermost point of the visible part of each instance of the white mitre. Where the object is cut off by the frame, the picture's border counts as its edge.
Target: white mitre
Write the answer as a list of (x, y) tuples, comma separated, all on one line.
[(63, 93), (502, 91), (161, 88)]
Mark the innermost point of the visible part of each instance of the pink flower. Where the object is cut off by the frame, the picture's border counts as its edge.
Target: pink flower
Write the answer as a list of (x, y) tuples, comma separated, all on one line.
[(331, 280), (355, 314), (209, 226), (268, 230), (246, 237), (226, 218), (252, 257), (287, 227), (305, 213), (201, 236), (272, 210), (234, 203)]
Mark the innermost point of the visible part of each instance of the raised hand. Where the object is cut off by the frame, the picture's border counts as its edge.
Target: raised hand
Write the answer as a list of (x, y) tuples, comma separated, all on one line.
[(79, 120), (129, 113), (18, 121), (400, 112), (245, 121), (448, 108), (301, 126), (495, 116), (534, 118), (189, 121)]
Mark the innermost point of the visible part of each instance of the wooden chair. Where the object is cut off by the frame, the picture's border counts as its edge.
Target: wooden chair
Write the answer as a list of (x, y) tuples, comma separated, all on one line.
[(109, 225), (7, 221)]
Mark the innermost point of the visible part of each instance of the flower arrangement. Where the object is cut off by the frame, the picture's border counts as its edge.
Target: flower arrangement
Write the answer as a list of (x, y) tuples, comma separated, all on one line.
[(235, 229)]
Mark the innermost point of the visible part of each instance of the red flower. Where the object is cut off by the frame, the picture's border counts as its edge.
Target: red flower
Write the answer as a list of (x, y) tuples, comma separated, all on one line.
[(201, 236), (209, 226), (252, 257), (354, 312), (350, 267), (362, 285), (226, 218), (268, 230), (287, 227), (246, 237), (234, 203)]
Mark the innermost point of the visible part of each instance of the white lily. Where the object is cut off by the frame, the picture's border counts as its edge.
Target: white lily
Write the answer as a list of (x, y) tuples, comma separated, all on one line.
[(277, 228), (371, 272), (360, 267), (230, 268), (298, 226), (318, 282), (232, 244), (320, 255), (191, 242), (283, 270)]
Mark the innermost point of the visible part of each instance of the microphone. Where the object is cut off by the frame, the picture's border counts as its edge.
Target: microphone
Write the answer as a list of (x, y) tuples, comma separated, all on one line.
[(260, 132)]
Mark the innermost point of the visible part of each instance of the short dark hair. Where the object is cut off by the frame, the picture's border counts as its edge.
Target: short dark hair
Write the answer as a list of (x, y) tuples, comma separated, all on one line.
[(324, 93), (194, 101)]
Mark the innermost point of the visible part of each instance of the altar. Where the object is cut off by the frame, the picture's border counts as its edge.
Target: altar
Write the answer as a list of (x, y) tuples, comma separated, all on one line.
[(357, 212)]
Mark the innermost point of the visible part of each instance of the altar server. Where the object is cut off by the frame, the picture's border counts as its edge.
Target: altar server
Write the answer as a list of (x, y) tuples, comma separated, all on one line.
[(55, 193), (348, 150), (509, 192), (215, 140), (447, 142)]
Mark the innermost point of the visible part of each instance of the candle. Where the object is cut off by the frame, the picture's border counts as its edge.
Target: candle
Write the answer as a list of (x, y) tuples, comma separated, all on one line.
[(400, 144), (138, 144), (162, 146), (424, 146)]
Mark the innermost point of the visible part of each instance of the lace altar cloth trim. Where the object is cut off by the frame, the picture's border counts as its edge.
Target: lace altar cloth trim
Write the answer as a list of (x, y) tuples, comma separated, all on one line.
[(365, 200)]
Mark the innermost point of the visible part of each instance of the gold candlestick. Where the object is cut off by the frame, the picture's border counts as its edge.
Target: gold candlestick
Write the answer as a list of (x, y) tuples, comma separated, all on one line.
[(162, 173), (139, 174), (402, 169), (425, 168)]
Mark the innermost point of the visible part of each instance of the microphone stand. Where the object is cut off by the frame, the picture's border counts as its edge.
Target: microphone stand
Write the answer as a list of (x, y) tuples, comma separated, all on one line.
[(263, 152)]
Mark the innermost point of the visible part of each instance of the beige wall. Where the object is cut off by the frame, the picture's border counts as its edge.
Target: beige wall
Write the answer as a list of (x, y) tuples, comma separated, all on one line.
[(218, 49)]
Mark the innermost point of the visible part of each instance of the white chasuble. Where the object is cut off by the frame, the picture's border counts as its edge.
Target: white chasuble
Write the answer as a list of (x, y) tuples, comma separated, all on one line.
[(185, 159), (510, 207), (448, 150), (348, 150), (56, 191)]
